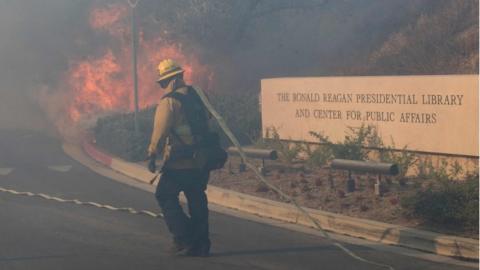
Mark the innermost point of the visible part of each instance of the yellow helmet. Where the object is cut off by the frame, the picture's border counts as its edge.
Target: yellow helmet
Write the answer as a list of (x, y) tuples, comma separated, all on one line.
[(167, 69)]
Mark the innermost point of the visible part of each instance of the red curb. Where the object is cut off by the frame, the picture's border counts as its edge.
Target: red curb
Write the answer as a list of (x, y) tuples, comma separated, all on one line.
[(95, 154)]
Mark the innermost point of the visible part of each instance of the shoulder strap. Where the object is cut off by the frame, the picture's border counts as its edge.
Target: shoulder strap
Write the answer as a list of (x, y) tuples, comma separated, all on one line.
[(192, 115)]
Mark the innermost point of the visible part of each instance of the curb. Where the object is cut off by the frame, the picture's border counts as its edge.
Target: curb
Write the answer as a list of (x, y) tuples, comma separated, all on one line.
[(440, 244)]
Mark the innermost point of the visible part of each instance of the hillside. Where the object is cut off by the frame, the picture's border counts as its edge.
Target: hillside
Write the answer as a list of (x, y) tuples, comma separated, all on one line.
[(237, 42)]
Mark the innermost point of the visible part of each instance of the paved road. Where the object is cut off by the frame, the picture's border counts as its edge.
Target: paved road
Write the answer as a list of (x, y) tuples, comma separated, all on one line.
[(42, 234)]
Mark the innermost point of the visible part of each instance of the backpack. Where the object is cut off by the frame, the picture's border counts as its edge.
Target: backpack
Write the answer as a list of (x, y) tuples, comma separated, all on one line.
[(206, 149)]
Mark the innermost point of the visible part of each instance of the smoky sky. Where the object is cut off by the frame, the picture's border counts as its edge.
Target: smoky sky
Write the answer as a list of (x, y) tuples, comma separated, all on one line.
[(35, 39), (38, 37), (242, 41)]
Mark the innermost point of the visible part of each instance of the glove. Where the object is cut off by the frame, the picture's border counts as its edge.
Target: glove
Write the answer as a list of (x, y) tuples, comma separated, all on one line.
[(152, 167)]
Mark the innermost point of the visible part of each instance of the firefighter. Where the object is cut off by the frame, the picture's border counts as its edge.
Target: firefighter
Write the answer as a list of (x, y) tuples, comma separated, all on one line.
[(173, 133)]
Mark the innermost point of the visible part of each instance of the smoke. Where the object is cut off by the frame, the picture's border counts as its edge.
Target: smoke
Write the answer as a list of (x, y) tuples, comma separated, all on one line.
[(36, 38), (228, 47), (71, 61)]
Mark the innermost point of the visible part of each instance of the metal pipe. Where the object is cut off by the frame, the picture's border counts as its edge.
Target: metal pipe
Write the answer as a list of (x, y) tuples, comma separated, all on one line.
[(255, 153), (365, 166)]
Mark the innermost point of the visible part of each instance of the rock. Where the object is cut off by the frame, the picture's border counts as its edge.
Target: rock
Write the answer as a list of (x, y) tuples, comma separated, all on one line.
[(393, 201), (293, 184), (306, 188), (262, 188)]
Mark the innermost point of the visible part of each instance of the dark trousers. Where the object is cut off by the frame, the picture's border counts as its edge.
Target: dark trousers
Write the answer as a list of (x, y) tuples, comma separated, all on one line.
[(191, 230)]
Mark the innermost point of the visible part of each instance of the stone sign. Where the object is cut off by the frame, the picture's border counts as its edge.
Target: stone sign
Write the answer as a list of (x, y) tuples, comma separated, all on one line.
[(436, 114)]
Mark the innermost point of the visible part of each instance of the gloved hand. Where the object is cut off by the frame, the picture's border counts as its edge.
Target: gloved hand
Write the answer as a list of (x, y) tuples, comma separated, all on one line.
[(152, 167)]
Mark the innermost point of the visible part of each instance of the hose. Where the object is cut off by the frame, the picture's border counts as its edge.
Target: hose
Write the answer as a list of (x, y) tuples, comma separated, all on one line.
[(262, 179)]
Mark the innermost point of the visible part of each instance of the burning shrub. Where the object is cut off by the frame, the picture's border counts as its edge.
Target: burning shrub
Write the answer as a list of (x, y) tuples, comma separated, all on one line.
[(102, 81)]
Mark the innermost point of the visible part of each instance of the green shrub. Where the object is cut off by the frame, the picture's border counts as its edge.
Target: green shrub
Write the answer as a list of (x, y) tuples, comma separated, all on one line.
[(445, 172), (288, 152), (425, 168), (456, 170), (403, 158), (449, 204), (354, 143), (317, 156)]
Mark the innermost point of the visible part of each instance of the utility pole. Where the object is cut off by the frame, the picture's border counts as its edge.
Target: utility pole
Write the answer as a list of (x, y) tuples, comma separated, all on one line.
[(133, 5)]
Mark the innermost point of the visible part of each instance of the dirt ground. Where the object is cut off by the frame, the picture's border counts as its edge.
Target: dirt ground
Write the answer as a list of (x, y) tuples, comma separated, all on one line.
[(325, 189)]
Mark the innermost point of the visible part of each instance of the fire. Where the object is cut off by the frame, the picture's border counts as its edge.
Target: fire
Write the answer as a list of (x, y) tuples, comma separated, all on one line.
[(95, 86), (108, 18), (99, 84)]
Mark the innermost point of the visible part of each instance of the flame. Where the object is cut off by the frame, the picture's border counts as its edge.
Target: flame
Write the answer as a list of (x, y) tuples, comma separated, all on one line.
[(103, 83), (109, 19), (95, 86)]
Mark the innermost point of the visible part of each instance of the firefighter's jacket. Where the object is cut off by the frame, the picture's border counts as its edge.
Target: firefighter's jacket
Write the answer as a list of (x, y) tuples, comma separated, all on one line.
[(170, 116)]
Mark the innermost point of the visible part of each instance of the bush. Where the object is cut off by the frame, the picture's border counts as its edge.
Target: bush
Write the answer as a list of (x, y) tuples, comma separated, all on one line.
[(241, 112), (317, 156), (288, 152), (449, 204), (116, 134), (403, 158), (446, 171), (353, 146)]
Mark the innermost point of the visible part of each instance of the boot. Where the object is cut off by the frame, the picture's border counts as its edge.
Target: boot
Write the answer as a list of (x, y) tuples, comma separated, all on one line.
[(179, 248), (201, 250)]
